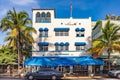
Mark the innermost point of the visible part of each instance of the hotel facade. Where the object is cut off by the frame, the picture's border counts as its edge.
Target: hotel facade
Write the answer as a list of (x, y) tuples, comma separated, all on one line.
[(60, 36)]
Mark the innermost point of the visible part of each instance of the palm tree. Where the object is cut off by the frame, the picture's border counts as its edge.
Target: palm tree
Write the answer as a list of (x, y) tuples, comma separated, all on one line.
[(108, 40), (7, 55), (112, 17), (18, 30), (108, 17)]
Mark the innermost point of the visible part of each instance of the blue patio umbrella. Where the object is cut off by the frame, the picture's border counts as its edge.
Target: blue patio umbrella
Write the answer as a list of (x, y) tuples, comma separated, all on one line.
[(64, 61), (37, 61), (82, 58), (91, 61)]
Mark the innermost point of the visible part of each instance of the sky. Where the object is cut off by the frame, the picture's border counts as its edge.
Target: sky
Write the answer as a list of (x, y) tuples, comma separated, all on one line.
[(96, 9)]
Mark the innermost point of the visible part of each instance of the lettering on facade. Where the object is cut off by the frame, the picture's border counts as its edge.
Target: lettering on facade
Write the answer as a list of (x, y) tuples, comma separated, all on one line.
[(69, 23)]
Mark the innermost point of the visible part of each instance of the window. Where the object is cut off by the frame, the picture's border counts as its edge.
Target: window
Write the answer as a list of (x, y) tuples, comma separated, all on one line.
[(77, 34), (43, 46), (56, 48), (62, 46), (46, 33), (61, 33), (43, 17), (80, 32), (37, 17), (48, 17), (57, 33), (80, 47), (66, 33), (67, 48), (43, 32)]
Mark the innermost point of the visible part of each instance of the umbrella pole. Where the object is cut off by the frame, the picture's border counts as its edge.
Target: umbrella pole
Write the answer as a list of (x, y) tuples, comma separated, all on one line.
[(94, 69), (61, 68)]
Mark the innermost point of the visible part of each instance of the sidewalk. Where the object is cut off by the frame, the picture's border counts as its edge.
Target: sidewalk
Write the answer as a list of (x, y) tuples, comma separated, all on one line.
[(5, 75), (83, 77)]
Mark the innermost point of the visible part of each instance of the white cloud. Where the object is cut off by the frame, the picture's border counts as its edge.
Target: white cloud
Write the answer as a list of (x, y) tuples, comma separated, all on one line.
[(19, 5), (23, 2)]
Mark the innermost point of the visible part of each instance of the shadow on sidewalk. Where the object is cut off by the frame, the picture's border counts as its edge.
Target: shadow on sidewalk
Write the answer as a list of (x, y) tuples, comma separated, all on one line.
[(6, 75)]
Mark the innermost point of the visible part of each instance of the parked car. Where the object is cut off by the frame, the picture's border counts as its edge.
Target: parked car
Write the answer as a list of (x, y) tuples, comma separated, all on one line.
[(44, 74), (114, 73)]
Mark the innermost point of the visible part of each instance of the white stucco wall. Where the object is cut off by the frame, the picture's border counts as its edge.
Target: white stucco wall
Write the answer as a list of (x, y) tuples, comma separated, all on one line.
[(66, 23)]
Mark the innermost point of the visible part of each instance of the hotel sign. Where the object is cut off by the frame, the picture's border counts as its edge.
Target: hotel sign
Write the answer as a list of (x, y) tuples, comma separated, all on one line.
[(69, 23)]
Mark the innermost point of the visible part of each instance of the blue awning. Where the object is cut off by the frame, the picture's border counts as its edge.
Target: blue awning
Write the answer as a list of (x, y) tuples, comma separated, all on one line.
[(80, 43), (77, 29), (66, 44), (62, 61), (82, 29), (37, 61), (56, 44), (91, 61), (46, 29), (41, 29), (61, 29), (61, 44), (43, 44)]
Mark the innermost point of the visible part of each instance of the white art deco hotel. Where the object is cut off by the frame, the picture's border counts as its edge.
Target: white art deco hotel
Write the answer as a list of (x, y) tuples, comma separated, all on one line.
[(60, 36)]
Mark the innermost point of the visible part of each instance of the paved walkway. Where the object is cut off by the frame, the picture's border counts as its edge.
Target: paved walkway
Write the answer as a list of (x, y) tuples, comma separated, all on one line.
[(4, 76), (84, 77)]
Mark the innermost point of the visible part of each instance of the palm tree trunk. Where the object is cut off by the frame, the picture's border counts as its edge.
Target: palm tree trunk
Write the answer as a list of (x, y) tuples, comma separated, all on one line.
[(109, 68), (19, 52)]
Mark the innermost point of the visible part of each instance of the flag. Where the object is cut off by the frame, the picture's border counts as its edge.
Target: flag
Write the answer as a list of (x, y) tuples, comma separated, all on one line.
[(71, 10), (71, 7)]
